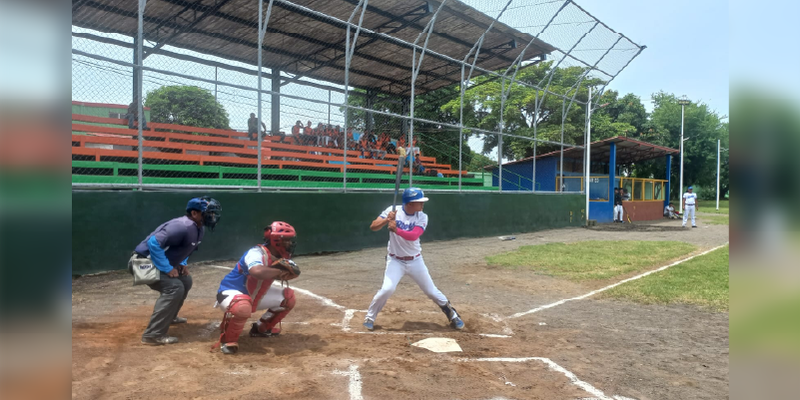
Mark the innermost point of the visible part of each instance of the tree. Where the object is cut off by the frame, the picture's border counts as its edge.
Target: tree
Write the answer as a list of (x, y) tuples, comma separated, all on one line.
[(186, 105), (483, 101), (479, 161), (702, 127)]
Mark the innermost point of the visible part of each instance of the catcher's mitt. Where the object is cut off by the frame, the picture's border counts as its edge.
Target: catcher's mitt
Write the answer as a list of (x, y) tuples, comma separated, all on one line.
[(289, 270)]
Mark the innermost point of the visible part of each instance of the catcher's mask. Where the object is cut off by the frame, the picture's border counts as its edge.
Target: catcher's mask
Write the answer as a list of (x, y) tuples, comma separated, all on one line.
[(281, 237), (210, 207)]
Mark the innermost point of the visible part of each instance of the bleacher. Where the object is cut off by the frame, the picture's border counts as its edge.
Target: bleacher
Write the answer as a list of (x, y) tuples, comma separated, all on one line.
[(105, 151)]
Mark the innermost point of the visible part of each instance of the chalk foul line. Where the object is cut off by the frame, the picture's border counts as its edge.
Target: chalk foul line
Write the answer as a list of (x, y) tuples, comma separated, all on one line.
[(594, 292)]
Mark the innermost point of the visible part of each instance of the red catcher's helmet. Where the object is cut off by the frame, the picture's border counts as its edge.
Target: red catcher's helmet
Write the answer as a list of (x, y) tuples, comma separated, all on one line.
[(281, 237)]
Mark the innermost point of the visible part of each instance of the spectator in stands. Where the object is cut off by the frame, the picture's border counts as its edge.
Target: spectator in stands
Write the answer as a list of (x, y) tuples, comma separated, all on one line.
[(133, 115), (352, 144), (418, 167), (390, 147), (308, 135), (625, 195), (297, 131), (439, 174), (325, 136), (252, 127), (364, 146), (337, 137)]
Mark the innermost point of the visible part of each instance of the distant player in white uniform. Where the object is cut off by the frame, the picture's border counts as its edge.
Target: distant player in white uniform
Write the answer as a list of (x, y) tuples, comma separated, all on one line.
[(689, 206), (406, 225)]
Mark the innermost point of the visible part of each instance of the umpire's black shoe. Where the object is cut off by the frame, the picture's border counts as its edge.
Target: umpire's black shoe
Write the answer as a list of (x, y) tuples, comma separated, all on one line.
[(151, 341)]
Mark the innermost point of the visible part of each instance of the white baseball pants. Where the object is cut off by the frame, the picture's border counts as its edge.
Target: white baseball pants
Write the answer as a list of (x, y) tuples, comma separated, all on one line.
[(618, 210), (271, 301), (689, 209), (395, 270)]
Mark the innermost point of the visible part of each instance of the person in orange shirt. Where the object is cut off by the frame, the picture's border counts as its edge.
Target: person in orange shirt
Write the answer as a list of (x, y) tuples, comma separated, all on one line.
[(305, 135), (297, 131), (338, 135), (351, 142)]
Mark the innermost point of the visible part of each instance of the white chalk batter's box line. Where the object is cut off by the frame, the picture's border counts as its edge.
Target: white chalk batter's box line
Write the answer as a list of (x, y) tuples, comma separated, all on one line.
[(355, 383), (349, 313)]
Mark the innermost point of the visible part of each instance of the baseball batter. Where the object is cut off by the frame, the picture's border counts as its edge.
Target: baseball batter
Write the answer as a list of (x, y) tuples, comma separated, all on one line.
[(248, 287), (689, 206), (404, 257)]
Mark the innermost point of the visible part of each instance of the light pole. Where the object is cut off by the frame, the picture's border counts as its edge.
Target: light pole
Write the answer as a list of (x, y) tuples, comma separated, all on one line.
[(683, 102), (719, 149)]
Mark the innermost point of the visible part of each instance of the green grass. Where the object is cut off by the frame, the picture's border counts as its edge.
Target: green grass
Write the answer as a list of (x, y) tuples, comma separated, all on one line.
[(701, 281), (710, 207), (716, 219), (592, 260)]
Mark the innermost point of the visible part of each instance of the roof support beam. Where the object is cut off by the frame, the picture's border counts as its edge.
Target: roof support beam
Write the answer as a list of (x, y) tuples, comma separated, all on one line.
[(151, 19), (214, 11), (209, 11)]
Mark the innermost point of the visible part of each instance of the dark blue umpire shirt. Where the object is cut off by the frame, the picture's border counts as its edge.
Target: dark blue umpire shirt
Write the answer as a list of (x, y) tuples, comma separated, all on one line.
[(171, 243)]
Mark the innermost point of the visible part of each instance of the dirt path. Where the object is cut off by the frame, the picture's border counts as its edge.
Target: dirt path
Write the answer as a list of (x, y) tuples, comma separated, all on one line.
[(641, 352)]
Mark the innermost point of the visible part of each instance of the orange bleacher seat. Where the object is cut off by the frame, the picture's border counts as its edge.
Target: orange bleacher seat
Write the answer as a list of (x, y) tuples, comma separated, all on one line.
[(330, 158)]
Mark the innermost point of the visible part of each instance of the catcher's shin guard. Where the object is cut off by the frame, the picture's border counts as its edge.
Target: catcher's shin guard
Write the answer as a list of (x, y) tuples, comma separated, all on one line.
[(449, 311), (273, 317), (234, 320)]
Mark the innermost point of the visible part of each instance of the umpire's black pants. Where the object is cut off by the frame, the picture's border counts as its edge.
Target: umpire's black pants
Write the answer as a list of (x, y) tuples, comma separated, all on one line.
[(173, 293)]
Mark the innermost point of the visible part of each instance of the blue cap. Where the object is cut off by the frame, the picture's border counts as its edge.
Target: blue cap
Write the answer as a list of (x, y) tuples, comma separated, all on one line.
[(413, 195), (197, 203), (690, 187)]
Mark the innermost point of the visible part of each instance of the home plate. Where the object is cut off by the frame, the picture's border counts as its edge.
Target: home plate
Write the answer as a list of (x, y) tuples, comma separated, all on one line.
[(438, 345)]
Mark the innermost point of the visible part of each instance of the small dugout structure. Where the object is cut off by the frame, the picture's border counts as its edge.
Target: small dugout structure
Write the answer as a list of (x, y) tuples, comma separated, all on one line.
[(648, 196)]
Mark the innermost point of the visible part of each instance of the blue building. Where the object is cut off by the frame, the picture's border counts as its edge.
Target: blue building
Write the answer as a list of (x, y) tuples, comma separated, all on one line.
[(648, 196)]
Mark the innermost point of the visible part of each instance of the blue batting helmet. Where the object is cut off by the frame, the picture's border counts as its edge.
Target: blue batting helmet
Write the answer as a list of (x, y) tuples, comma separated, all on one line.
[(412, 195)]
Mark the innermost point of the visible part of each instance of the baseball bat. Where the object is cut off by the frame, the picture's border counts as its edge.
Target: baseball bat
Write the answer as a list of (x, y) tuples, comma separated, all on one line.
[(398, 175)]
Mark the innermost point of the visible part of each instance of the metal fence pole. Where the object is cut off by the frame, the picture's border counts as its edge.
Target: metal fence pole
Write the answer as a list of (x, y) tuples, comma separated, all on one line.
[(260, 66), (138, 99), (535, 124), (349, 50), (461, 126), (587, 151)]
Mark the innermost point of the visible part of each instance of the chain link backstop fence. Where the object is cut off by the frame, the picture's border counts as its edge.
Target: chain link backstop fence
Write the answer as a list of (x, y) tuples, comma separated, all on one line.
[(309, 95)]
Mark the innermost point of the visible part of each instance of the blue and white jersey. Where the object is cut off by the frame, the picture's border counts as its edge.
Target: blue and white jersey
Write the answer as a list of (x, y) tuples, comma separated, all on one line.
[(690, 198), (399, 246), (237, 278)]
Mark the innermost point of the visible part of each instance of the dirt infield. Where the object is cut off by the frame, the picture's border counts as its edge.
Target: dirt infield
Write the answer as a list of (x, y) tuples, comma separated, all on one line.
[(582, 349)]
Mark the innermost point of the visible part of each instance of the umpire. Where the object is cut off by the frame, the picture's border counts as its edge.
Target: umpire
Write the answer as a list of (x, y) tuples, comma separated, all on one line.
[(169, 247)]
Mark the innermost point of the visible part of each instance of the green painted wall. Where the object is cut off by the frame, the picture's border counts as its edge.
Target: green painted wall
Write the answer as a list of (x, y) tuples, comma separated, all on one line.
[(103, 111), (107, 225)]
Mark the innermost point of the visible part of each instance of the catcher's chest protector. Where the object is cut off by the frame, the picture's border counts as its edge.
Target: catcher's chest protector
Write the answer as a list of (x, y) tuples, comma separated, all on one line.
[(258, 288)]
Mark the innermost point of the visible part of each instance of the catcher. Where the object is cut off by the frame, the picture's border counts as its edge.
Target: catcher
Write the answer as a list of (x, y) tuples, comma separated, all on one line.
[(248, 287)]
